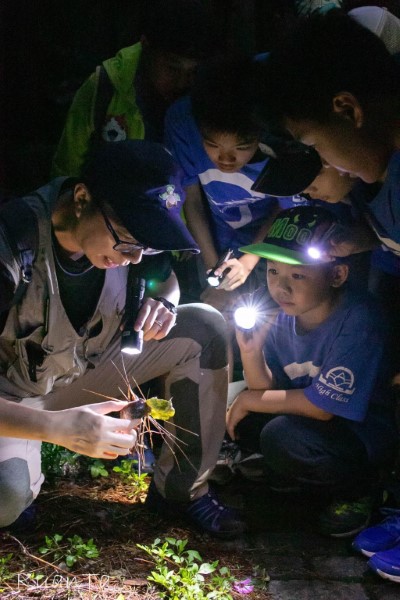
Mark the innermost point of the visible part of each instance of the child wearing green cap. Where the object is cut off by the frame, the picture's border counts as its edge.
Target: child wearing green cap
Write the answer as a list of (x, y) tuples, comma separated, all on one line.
[(321, 417)]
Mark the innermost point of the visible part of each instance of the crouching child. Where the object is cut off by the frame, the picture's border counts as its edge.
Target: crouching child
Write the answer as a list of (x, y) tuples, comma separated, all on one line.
[(315, 400)]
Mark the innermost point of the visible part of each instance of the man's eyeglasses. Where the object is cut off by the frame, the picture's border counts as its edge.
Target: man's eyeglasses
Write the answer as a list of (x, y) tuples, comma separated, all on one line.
[(121, 245)]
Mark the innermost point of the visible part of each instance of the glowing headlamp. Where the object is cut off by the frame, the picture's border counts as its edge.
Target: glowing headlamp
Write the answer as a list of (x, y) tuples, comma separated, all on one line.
[(301, 235), (314, 252)]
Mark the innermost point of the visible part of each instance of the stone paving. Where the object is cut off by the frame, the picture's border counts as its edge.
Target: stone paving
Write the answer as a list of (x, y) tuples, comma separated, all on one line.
[(302, 564)]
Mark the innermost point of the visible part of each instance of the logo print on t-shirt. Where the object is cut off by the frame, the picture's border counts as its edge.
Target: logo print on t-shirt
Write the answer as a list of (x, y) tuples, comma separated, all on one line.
[(340, 379)]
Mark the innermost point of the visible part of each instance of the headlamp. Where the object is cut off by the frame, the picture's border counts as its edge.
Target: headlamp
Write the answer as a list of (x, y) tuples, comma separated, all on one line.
[(314, 252), (298, 236)]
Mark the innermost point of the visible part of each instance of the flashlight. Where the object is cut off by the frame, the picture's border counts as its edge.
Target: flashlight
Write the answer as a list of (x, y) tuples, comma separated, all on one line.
[(131, 340), (246, 317), (254, 307), (213, 279)]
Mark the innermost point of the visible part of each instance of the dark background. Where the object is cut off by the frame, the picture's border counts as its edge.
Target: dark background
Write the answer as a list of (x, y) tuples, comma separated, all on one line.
[(49, 47)]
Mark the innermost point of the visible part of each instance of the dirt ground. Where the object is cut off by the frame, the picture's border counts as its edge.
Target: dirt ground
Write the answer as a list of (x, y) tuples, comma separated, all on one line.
[(282, 551), (103, 510)]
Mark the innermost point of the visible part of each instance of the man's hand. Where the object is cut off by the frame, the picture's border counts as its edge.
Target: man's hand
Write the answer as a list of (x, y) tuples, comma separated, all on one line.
[(155, 320), (88, 430)]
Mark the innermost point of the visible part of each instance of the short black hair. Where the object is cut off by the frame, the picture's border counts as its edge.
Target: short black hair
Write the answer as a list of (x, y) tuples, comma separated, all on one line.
[(326, 54), (223, 95)]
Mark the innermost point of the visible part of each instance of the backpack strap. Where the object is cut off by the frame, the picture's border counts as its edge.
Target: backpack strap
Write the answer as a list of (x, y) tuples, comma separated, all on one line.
[(20, 224), (104, 93)]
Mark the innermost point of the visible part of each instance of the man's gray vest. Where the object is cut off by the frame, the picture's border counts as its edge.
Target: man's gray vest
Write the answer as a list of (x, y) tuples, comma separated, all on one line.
[(38, 329)]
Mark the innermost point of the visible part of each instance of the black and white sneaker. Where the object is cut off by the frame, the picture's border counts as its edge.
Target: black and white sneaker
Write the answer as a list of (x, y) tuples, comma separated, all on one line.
[(251, 466)]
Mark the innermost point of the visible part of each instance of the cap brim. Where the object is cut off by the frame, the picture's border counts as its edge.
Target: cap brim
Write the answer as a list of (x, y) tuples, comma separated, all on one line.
[(289, 174), (162, 229), (179, 238), (276, 253), (154, 225)]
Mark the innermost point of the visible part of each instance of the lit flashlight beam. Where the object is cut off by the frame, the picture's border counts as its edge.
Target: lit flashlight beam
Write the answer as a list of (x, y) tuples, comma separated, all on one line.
[(213, 279), (246, 317), (254, 308)]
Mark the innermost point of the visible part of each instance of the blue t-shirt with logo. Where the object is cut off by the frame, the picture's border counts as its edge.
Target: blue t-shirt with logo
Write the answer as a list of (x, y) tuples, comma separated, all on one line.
[(236, 211), (381, 205), (340, 367)]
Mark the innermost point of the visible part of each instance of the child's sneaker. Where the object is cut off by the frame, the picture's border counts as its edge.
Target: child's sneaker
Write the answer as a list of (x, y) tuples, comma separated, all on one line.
[(345, 519), (251, 466), (207, 513), (387, 564), (381, 537), (228, 457)]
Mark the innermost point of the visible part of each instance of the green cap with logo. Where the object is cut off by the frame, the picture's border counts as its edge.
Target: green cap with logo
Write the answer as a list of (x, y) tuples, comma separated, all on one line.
[(298, 236)]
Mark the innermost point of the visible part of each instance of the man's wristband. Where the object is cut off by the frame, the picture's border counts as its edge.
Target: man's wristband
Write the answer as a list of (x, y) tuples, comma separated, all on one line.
[(171, 307)]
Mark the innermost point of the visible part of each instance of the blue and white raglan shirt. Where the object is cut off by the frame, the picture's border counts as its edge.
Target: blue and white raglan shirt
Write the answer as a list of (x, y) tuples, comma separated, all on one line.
[(237, 212), (382, 210), (340, 367)]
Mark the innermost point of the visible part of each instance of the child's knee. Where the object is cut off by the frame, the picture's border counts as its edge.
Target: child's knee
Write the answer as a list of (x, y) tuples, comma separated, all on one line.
[(276, 446), (273, 451), (15, 492)]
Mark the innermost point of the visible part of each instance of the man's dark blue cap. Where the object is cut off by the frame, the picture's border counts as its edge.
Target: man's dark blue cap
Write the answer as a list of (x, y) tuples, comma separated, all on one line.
[(138, 180)]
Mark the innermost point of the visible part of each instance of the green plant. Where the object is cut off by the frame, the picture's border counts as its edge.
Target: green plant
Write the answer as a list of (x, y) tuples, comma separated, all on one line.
[(37, 577), (128, 474), (97, 468), (183, 575), (5, 572), (58, 461), (72, 552)]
